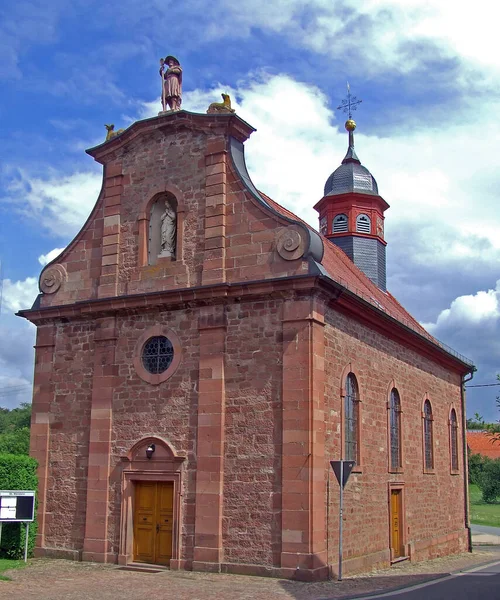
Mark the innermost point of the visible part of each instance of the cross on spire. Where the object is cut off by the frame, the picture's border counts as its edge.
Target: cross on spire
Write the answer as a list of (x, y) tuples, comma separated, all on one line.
[(350, 103)]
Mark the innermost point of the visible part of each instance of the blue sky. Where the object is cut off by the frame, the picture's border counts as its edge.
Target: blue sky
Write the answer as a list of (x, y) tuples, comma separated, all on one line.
[(428, 130)]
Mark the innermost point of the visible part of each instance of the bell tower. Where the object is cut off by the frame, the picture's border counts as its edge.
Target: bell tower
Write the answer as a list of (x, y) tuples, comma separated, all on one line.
[(351, 212)]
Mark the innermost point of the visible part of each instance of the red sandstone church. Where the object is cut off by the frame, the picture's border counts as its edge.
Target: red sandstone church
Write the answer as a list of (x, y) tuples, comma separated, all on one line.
[(202, 354)]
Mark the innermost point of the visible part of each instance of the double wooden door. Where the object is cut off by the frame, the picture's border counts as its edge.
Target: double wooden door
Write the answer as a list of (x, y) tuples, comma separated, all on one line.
[(153, 521), (396, 519)]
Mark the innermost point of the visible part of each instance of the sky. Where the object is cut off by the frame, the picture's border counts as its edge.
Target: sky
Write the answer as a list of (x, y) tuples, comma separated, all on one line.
[(428, 74)]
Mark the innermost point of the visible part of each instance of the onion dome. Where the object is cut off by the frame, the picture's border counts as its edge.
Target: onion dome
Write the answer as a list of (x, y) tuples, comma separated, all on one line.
[(351, 176)]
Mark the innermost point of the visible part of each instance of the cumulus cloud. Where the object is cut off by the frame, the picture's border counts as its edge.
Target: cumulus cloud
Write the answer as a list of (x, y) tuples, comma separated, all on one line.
[(471, 325), (60, 203), (16, 361), (44, 259), (19, 294), (427, 177), (375, 35)]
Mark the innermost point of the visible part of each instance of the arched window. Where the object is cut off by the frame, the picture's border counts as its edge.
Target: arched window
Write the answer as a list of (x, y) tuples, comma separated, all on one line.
[(340, 224), (395, 429), (454, 440), (428, 437), (351, 419), (363, 224)]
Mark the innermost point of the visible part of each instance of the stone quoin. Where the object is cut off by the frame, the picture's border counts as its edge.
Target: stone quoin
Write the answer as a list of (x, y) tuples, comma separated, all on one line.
[(244, 360)]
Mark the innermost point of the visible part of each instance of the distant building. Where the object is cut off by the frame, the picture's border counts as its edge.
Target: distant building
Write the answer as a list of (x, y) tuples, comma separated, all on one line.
[(202, 354), (481, 442)]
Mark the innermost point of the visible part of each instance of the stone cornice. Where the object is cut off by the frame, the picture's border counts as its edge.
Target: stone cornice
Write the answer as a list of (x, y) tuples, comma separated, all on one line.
[(341, 298), (229, 125)]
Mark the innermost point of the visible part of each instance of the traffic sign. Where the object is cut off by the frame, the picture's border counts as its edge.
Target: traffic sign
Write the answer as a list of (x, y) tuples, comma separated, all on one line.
[(348, 466)]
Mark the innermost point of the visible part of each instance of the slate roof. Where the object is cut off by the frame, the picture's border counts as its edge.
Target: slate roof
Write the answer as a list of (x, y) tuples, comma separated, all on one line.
[(480, 442)]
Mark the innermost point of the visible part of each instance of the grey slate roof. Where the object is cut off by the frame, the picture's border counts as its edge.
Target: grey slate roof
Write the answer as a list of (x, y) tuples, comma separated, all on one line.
[(351, 176)]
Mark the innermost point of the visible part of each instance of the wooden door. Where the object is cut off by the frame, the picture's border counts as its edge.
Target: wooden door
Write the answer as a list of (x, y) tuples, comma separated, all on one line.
[(153, 520), (396, 532)]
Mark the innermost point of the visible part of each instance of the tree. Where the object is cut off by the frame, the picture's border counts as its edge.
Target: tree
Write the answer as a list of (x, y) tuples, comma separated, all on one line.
[(15, 429), (476, 464), (494, 428), (476, 422)]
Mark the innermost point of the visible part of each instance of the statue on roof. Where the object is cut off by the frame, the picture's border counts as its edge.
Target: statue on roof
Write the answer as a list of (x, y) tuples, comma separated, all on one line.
[(171, 77)]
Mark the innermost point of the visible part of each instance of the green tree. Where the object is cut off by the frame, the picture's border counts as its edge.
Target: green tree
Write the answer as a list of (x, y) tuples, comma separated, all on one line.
[(476, 466), (15, 429), (489, 481), (15, 442)]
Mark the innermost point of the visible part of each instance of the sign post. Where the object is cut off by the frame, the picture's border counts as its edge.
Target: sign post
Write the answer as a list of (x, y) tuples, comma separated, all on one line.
[(342, 470), (17, 506)]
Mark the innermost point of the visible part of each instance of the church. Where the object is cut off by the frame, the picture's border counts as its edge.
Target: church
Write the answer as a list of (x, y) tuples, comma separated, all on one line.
[(202, 354)]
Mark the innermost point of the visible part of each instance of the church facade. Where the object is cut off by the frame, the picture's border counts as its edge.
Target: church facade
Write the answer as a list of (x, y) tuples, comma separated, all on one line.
[(202, 355)]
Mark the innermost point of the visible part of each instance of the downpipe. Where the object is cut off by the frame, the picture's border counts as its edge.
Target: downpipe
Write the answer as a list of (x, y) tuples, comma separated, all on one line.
[(466, 379)]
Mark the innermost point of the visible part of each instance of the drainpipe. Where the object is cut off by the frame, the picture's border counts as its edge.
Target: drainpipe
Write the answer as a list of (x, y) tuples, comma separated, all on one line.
[(465, 379)]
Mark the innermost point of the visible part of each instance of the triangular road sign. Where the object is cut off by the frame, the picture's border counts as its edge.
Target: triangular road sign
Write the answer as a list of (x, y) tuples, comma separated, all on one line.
[(348, 467)]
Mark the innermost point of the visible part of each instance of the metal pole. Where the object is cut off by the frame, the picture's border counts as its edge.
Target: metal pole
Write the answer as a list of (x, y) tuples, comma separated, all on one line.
[(1, 531), (26, 542), (341, 509)]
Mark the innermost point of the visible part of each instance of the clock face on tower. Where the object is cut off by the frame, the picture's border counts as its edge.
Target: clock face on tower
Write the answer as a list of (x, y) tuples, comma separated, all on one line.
[(323, 226)]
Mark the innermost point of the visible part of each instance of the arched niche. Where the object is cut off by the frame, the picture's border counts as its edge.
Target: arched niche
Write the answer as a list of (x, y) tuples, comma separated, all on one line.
[(163, 228)]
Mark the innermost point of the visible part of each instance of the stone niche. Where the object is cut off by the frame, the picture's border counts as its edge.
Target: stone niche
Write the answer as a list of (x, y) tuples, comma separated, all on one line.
[(155, 249)]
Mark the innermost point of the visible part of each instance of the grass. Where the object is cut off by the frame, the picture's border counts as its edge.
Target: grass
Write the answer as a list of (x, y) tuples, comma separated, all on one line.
[(482, 513), (6, 563)]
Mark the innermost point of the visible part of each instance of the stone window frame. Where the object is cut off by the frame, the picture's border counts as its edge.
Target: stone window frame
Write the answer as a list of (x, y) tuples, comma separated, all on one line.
[(143, 222), (428, 437), (453, 441), (391, 468), (144, 374), (350, 369)]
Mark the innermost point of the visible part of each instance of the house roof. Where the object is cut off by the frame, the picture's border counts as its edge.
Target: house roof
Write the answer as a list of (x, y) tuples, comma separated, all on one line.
[(341, 269), (481, 442)]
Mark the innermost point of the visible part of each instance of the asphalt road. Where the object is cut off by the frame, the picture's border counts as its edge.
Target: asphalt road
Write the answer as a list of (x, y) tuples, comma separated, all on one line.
[(486, 529), (478, 584)]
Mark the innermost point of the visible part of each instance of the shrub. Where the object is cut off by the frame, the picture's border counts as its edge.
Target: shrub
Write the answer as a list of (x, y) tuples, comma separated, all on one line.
[(477, 463), (489, 481), (17, 473)]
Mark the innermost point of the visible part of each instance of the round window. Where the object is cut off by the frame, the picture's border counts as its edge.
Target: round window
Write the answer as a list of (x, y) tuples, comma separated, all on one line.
[(157, 354)]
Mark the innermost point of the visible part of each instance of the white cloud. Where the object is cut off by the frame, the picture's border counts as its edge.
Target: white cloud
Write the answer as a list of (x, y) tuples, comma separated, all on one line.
[(375, 35), (19, 295), (60, 203), (44, 259), (473, 309), (427, 176), (16, 360)]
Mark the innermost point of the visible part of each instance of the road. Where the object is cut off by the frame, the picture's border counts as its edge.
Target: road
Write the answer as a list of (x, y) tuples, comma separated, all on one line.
[(485, 529), (481, 583)]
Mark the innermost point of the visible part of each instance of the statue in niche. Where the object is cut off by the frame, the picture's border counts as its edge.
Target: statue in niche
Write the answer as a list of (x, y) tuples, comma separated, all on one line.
[(171, 83), (168, 230)]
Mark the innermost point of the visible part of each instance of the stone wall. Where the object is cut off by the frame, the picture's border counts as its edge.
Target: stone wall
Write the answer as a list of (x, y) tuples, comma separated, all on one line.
[(433, 502)]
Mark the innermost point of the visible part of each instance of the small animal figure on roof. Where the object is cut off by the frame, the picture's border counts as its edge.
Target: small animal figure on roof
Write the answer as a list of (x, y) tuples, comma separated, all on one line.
[(221, 107), (111, 132)]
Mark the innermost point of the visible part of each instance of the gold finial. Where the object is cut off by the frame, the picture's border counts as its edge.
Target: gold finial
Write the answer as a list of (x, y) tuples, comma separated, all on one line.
[(350, 125)]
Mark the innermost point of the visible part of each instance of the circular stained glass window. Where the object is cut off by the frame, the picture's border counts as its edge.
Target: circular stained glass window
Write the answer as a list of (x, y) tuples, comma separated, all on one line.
[(157, 354)]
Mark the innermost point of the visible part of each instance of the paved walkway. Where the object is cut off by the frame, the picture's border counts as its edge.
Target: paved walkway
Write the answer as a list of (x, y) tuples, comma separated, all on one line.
[(484, 534), (45, 579)]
